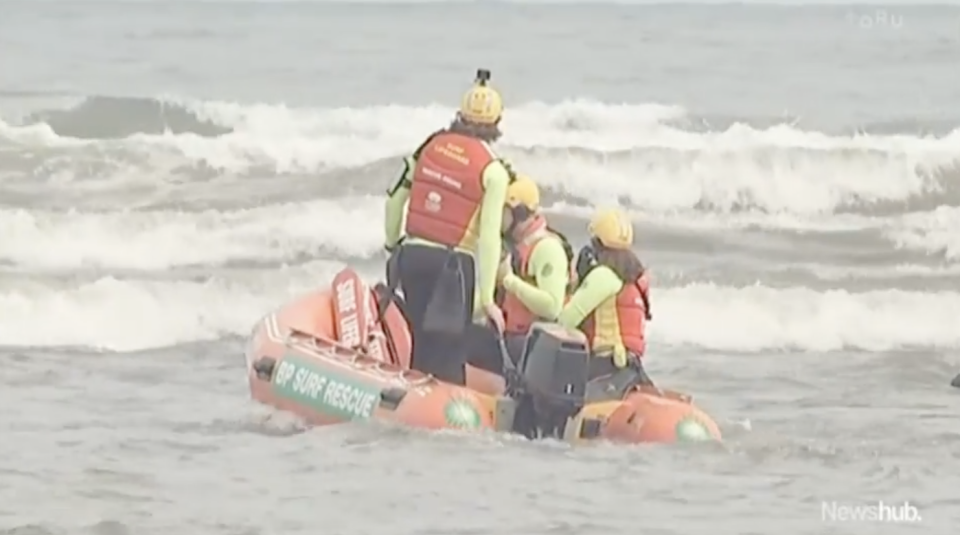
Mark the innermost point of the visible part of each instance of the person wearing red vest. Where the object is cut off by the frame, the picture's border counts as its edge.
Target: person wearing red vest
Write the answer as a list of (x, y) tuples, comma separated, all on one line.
[(533, 276), (611, 304), (453, 192)]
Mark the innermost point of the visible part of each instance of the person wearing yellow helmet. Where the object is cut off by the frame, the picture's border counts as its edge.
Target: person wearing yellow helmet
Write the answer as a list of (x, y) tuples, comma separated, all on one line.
[(533, 276), (452, 191), (611, 304)]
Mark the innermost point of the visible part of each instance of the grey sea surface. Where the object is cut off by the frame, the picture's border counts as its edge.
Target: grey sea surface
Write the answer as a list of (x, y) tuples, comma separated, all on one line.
[(171, 171)]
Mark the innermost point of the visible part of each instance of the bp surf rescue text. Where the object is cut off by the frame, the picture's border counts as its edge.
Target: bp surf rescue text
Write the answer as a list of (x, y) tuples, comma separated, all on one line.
[(328, 391)]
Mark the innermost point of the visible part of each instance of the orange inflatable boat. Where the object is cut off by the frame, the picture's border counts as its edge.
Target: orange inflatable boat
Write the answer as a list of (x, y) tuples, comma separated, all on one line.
[(329, 358)]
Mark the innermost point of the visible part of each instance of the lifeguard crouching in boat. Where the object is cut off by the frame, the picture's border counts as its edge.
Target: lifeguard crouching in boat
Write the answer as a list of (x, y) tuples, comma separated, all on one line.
[(611, 304), (532, 280)]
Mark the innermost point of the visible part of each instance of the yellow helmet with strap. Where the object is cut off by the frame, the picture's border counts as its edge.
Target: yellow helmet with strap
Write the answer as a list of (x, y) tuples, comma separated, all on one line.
[(524, 192), (612, 228), (481, 104)]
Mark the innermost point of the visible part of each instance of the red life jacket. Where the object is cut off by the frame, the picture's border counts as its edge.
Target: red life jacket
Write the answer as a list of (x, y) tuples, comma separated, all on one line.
[(446, 190), (518, 317), (632, 309)]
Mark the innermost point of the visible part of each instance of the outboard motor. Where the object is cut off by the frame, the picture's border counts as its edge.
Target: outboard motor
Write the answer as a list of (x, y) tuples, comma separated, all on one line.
[(554, 366)]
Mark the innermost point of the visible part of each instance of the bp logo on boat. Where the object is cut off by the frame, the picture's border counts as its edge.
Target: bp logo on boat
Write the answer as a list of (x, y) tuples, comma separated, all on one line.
[(461, 414), (691, 430)]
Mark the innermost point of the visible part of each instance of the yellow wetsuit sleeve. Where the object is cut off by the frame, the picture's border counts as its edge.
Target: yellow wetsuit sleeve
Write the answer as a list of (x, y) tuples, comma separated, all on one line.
[(496, 180), (549, 267), (598, 286), (396, 202)]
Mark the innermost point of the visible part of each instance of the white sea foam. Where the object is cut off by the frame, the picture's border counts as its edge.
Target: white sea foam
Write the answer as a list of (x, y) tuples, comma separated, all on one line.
[(935, 232), (127, 315), (659, 167), (163, 239), (347, 227), (759, 318)]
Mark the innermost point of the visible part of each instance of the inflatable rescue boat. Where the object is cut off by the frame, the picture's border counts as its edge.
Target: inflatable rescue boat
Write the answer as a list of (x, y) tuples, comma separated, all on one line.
[(342, 354)]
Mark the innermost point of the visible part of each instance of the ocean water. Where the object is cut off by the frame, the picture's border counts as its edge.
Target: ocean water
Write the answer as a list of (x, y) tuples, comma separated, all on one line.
[(171, 171)]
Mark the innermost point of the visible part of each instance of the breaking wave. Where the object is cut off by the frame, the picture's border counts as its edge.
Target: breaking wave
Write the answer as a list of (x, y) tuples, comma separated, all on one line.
[(111, 208), (130, 314), (637, 153)]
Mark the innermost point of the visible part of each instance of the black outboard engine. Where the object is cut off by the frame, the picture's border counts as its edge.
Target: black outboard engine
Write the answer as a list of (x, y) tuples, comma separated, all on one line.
[(554, 366)]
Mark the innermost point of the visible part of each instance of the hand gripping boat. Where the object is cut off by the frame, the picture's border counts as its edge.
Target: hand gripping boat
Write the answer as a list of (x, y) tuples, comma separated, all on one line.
[(343, 354)]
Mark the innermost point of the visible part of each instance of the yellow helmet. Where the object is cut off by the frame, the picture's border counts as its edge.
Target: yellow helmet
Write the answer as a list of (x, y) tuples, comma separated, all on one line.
[(481, 104), (613, 228), (524, 192)]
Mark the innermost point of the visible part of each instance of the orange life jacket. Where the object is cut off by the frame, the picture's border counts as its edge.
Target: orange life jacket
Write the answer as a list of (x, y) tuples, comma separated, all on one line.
[(518, 318), (632, 309), (446, 190)]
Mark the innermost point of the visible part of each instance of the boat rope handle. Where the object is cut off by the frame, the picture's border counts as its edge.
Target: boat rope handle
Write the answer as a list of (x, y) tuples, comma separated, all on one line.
[(424, 380)]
